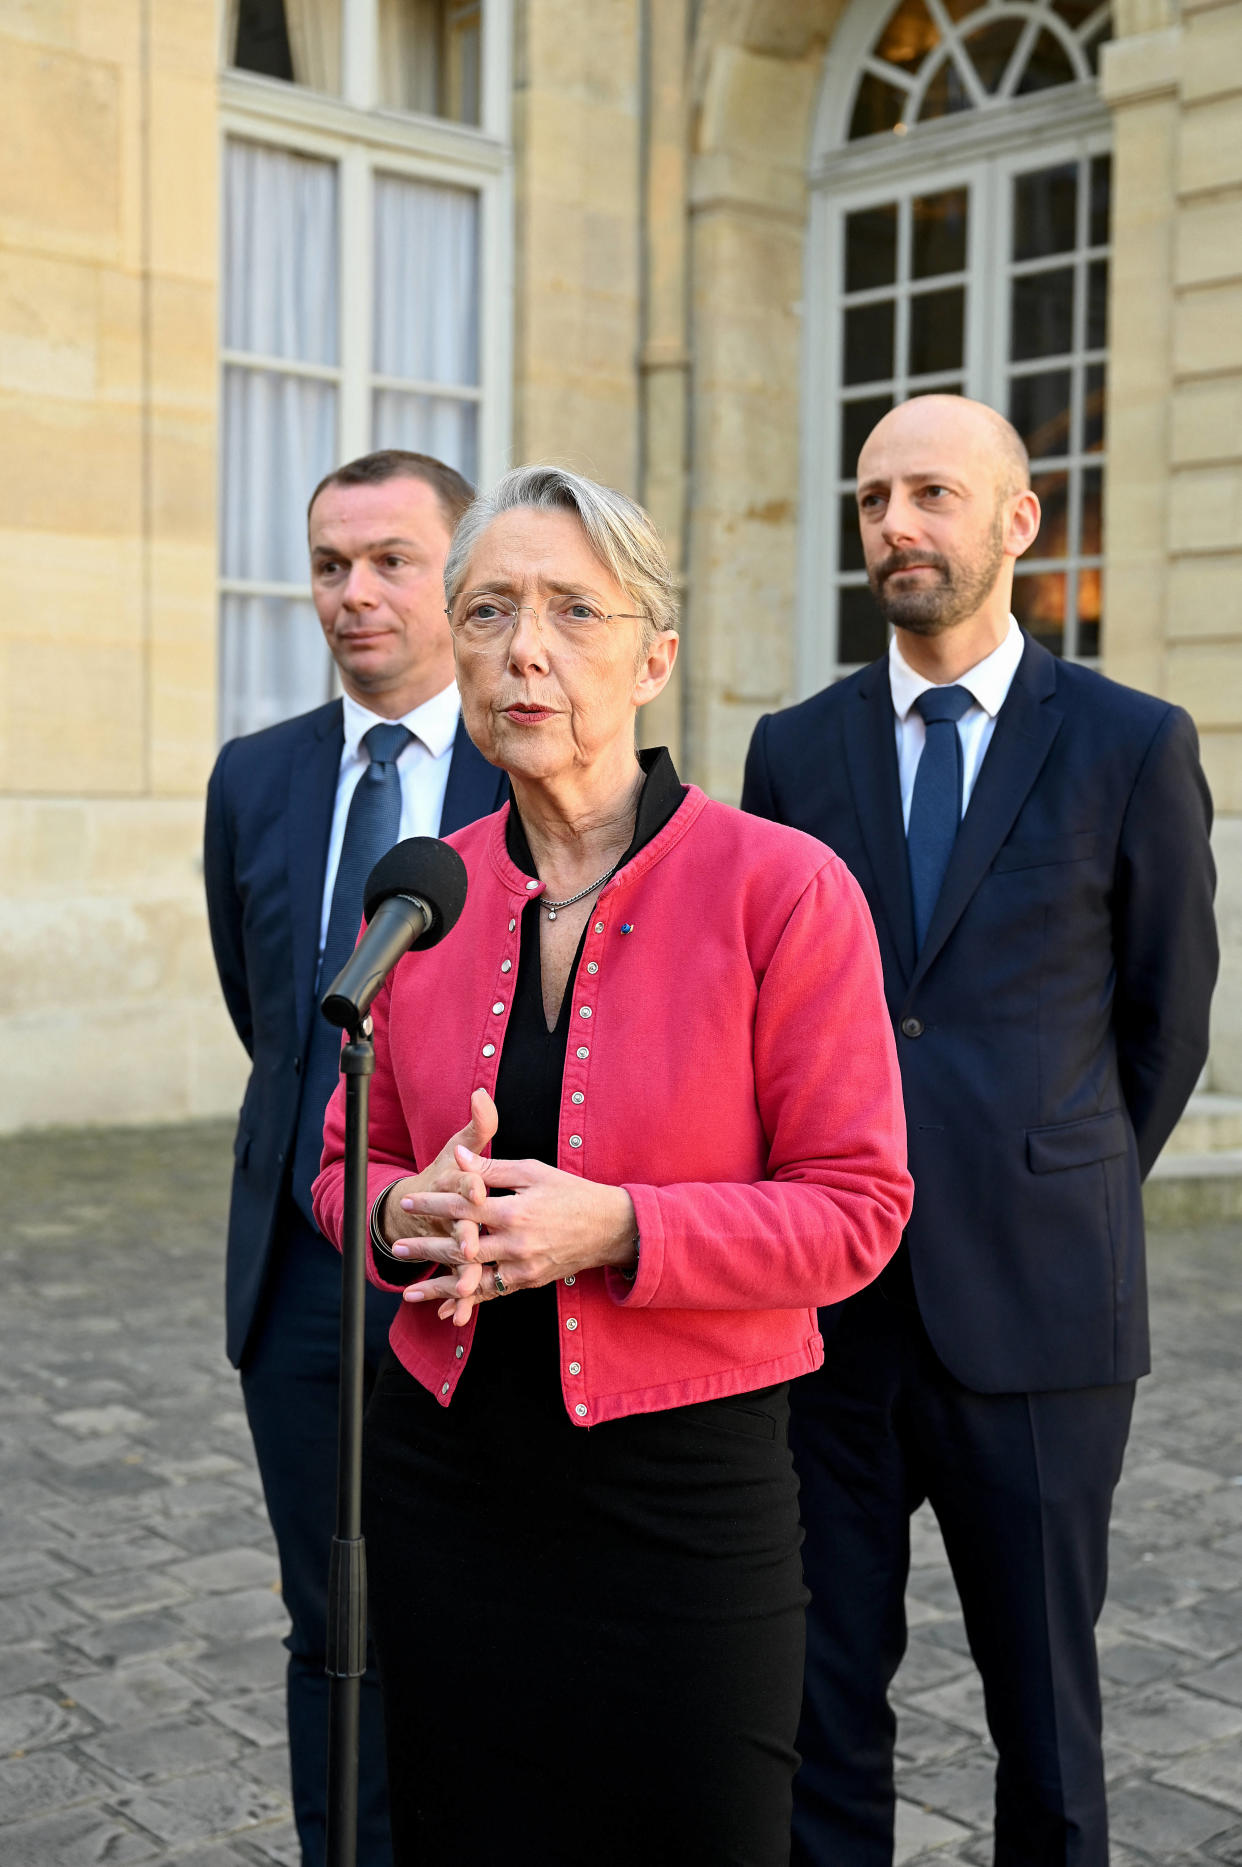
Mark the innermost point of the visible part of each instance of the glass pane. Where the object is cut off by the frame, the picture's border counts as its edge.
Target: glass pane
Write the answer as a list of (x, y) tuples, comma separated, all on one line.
[(1101, 186), (274, 662), (279, 440), (429, 57), (1049, 64), (862, 633), (1039, 408), (280, 254), (1045, 212), (939, 233), (1092, 513), (908, 36), (958, 10), (849, 541), (857, 421), (945, 93), (1097, 304), (1093, 412), (262, 39), (428, 424), (1089, 612), (877, 107), (937, 325), (426, 281), (1075, 12), (1052, 491), (869, 342), (1042, 314), (991, 49), (1039, 605), (871, 247)]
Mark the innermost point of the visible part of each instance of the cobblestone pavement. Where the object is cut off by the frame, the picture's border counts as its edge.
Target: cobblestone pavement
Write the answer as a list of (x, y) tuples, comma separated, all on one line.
[(141, 1712)]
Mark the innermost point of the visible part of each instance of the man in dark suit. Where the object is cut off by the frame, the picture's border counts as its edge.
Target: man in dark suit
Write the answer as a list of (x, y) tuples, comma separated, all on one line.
[(295, 817), (1048, 967)]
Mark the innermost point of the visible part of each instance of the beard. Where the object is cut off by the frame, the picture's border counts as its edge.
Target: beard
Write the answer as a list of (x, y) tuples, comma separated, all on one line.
[(960, 587)]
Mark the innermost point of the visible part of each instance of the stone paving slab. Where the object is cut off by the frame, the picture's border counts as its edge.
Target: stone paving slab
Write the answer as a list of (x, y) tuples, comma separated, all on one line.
[(141, 1705)]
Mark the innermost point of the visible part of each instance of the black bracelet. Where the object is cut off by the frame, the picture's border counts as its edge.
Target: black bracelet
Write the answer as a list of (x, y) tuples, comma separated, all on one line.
[(392, 1270)]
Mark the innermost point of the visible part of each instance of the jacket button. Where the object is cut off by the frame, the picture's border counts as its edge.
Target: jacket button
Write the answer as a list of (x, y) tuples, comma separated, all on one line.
[(575, 1367), (459, 1351), (599, 926), (445, 1388), (571, 1323), (581, 1411), (912, 1027), (506, 965), (575, 1140)]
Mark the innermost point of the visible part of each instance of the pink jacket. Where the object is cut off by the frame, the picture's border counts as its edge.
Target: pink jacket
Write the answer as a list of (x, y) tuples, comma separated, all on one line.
[(730, 1063)]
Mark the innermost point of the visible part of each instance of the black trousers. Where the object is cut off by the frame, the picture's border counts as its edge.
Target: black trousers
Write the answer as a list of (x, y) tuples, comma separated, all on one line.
[(1022, 1487), (591, 1643), (290, 1380)]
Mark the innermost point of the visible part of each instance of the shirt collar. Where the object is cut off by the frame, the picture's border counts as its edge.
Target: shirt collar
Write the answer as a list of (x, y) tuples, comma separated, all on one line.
[(434, 722), (658, 801), (988, 682)]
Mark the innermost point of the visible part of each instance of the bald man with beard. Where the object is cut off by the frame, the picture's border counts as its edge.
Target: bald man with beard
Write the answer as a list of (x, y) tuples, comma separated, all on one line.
[(1033, 843)]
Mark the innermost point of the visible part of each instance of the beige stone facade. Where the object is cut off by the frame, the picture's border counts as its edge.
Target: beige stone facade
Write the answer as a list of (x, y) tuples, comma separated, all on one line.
[(660, 227)]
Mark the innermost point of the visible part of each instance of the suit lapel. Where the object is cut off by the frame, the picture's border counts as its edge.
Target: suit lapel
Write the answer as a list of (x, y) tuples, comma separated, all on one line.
[(871, 758), (313, 773), (1021, 740), (474, 789)]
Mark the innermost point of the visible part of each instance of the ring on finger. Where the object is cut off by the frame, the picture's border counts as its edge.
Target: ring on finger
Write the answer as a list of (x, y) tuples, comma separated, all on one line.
[(502, 1288)]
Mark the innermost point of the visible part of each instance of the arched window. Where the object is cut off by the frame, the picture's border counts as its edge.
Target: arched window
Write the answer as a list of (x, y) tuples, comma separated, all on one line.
[(959, 242)]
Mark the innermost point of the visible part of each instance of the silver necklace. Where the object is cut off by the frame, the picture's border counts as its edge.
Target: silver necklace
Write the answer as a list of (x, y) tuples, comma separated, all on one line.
[(554, 907)]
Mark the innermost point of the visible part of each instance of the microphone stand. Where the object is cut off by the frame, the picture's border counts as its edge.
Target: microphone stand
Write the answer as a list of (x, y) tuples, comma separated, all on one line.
[(347, 1576)]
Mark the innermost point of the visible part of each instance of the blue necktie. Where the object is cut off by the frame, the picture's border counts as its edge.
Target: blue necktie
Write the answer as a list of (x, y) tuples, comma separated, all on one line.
[(936, 804), (371, 827)]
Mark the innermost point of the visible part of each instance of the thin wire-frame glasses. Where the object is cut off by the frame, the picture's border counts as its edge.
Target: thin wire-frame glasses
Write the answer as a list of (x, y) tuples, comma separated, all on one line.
[(485, 617)]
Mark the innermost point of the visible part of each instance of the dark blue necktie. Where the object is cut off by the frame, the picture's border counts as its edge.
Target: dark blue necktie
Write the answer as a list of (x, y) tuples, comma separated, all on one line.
[(371, 827), (936, 803)]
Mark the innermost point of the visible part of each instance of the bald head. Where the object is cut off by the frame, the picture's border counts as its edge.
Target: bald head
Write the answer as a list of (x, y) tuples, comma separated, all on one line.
[(952, 427)]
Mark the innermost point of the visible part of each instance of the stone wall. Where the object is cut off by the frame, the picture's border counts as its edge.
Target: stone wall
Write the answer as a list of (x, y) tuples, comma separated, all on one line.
[(108, 393), (1174, 522)]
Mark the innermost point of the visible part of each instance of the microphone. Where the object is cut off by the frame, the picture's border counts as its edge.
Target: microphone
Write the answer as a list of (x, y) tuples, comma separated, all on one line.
[(413, 897)]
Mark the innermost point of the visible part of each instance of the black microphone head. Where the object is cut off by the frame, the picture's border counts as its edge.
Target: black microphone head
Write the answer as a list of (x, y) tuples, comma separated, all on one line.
[(428, 868)]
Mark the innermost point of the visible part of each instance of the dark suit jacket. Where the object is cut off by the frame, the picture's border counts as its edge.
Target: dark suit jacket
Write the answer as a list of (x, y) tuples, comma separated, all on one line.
[(1056, 1020), (269, 818)]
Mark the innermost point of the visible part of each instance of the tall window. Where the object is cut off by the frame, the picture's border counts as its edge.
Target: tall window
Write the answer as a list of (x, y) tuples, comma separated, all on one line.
[(959, 244), (365, 266)]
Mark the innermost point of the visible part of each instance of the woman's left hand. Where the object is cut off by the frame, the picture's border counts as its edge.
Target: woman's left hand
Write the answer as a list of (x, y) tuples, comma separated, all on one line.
[(554, 1224)]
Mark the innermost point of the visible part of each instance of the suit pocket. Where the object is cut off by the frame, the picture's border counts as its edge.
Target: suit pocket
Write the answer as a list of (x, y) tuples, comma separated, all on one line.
[(1039, 852), (1077, 1143)]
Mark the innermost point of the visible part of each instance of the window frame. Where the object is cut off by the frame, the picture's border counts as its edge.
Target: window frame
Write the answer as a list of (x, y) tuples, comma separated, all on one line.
[(362, 140)]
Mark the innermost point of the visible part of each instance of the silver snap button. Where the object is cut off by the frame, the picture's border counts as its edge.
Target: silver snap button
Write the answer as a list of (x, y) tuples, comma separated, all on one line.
[(591, 966), (575, 1140), (575, 1367), (584, 1011), (571, 1322), (531, 887), (581, 1411), (599, 926), (506, 965), (512, 925), (577, 1096), (571, 1280), (583, 1051), (498, 1007), (459, 1351), (445, 1388), (489, 1050)]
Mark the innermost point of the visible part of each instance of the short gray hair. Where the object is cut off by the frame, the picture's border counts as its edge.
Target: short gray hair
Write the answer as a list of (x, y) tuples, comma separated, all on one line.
[(619, 532)]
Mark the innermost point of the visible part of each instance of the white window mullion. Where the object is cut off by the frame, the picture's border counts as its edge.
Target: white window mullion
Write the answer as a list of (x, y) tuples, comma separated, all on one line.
[(496, 320), (354, 431), (360, 53)]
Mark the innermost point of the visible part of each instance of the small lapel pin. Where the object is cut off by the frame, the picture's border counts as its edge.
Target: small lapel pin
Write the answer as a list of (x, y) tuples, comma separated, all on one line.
[(627, 927)]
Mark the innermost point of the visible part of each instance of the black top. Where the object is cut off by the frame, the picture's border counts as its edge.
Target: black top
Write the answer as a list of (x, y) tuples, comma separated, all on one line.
[(528, 1102)]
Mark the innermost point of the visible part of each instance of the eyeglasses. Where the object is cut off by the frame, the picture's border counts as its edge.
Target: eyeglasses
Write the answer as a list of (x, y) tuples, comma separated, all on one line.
[(485, 618)]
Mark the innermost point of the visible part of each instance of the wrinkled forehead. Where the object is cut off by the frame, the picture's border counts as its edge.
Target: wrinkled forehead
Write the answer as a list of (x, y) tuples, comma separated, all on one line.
[(530, 549)]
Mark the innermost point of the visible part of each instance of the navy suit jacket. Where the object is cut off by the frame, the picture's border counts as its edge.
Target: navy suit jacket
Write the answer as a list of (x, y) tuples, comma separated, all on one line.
[(1056, 1019), (269, 819)]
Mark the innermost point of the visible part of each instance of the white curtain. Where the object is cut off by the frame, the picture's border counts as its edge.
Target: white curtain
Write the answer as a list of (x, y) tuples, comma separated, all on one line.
[(314, 28), (426, 329), (279, 429)]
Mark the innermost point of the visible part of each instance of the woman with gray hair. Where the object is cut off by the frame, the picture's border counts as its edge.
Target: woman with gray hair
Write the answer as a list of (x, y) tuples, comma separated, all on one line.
[(657, 1045)]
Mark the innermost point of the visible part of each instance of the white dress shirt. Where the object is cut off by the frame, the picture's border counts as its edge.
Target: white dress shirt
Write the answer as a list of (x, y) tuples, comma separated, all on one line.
[(989, 681), (423, 769)]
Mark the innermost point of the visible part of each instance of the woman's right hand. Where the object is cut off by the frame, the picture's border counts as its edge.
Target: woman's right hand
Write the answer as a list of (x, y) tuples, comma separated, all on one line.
[(444, 1175)]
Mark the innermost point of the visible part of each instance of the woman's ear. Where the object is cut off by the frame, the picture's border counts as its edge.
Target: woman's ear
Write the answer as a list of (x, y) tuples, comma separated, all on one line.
[(656, 666)]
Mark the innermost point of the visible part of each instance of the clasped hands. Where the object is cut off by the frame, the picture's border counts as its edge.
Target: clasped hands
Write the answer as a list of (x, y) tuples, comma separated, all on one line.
[(547, 1224)]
